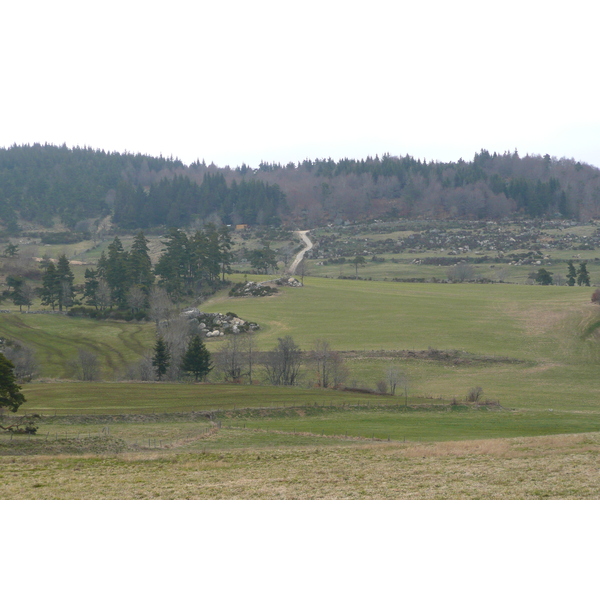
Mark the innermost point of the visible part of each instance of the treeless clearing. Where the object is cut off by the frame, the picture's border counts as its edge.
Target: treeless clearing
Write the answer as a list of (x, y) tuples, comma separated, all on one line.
[(559, 467)]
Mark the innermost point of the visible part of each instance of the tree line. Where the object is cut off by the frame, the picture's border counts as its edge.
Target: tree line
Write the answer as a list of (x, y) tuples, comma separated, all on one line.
[(80, 185), (575, 276), (126, 280), (179, 201)]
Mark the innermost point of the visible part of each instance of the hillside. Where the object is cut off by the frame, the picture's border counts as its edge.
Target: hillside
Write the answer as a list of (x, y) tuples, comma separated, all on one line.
[(42, 183)]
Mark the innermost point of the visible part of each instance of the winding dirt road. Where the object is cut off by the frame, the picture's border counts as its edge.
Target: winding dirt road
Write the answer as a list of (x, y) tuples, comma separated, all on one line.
[(298, 258)]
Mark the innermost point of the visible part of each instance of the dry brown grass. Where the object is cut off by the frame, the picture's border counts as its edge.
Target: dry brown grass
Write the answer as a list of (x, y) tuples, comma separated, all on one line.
[(559, 467)]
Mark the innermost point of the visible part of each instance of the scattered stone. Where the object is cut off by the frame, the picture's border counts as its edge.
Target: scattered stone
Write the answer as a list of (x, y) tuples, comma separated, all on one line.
[(214, 325)]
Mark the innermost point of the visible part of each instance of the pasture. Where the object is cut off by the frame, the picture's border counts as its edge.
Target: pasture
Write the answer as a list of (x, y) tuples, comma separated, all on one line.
[(555, 467), (533, 349)]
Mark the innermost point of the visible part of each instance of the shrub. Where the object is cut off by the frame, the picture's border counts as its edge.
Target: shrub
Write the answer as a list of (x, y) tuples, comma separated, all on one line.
[(382, 386), (475, 394)]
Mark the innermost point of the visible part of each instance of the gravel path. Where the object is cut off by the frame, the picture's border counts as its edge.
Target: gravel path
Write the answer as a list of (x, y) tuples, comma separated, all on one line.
[(298, 259)]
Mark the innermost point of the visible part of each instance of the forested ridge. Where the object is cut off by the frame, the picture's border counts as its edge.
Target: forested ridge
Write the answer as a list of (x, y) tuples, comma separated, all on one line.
[(40, 183)]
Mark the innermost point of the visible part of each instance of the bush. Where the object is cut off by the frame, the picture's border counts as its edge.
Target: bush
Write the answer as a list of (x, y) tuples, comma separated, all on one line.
[(596, 296), (475, 394), (102, 315), (64, 237), (382, 387)]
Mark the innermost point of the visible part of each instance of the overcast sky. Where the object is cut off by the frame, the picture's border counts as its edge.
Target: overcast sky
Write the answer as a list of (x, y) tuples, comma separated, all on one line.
[(233, 82)]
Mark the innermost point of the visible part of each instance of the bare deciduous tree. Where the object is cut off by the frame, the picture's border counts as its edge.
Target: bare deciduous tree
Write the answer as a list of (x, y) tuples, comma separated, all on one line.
[(103, 295), (328, 363), (24, 361), (136, 299), (176, 333), (382, 386), (393, 376), (142, 370), (461, 272), (161, 306), (86, 366), (339, 370), (230, 360), (282, 364)]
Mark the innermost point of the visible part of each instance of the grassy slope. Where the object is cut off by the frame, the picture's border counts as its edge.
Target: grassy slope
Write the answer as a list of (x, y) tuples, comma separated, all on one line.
[(540, 326), (306, 454), (57, 338)]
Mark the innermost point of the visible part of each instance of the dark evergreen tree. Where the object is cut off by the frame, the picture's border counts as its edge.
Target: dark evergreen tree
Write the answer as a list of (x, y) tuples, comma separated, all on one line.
[(11, 250), (225, 254), (263, 259), (91, 287), (571, 273), (544, 277), (583, 277), (139, 265), (116, 271), (65, 279), (10, 393), (212, 253), (23, 294), (161, 359), (50, 292), (196, 359), (175, 266)]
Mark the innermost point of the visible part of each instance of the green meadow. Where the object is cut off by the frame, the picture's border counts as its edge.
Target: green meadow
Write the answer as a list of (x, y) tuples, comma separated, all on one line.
[(526, 346), (533, 350), (57, 338)]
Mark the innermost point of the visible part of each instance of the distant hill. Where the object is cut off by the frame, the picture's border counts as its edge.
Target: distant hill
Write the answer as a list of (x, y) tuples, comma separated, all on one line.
[(39, 183)]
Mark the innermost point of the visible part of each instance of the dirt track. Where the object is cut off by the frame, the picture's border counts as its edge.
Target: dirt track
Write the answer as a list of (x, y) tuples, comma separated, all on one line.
[(298, 258)]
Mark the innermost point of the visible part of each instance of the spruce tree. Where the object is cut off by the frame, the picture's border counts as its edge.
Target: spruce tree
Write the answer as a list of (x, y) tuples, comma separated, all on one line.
[(91, 287), (162, 358), (10, 393), (544, 277), (196, 359), (49, 293), (176, 265), (226, 256), (139, 265), (583, 277), (116, 271), (571, 273), (65, 282)]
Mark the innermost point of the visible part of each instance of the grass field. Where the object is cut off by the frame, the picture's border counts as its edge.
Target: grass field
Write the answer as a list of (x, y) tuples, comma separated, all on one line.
[(556, 467), (116, 398), (57, 338), (534, 349)]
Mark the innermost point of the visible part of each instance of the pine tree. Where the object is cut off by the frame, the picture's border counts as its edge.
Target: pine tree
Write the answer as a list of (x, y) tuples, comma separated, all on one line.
[(162, 358), (139, 265), (176, 265), (571, 273), (11, 250), (196, 359), (91, 287), (65, 282), (583, 277), (49, 293), (116, 271), (23, 294), (10, 393), (226, 256), (544, 277)]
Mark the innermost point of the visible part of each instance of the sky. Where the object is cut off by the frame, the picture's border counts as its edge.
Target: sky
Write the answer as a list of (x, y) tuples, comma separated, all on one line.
[(244, 82)]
